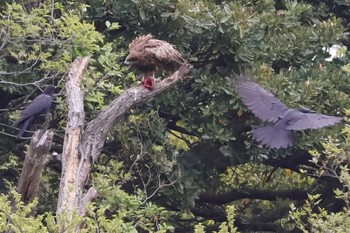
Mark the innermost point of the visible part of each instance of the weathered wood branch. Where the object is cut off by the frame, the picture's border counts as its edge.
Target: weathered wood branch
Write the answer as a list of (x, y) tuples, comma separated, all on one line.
[(68, 198), (34, 162), (81, 150), (97, 130)]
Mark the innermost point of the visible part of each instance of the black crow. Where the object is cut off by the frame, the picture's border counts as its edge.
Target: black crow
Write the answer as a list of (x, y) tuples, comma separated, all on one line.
[(41, 104), (268, 108)]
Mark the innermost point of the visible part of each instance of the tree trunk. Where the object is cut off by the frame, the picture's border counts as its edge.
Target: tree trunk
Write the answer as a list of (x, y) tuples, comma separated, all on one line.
[(34, 163), (81, 150), (70, 191)]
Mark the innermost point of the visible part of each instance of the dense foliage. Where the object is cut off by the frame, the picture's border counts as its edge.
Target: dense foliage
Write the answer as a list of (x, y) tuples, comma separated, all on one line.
[(185, 161)]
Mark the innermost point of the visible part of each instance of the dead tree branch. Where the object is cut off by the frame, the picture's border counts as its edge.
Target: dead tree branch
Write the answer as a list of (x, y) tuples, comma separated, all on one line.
[(68, 198), (34, 163), (82, 149)]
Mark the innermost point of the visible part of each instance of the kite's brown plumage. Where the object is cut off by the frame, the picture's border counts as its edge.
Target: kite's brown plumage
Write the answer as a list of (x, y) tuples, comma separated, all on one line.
[(151, 56)]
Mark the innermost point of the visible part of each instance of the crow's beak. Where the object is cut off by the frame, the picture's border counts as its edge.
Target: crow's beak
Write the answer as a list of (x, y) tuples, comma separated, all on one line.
[(306, 110)]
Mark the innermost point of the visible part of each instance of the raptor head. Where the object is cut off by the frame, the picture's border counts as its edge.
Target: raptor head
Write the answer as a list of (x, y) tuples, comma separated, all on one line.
[(132, 59)]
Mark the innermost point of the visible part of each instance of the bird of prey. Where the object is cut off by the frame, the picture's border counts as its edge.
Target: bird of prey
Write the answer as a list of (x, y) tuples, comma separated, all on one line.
[(150, 56), (268, 108), (39, 105)]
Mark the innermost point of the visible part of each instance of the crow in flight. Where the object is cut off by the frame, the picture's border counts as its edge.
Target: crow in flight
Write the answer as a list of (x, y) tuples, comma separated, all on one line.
[(39, 105), (268, 108)]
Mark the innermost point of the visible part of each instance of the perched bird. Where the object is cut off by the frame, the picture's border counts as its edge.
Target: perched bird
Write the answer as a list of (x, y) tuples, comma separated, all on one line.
[(268, 108), (151, 56), (41, 104)]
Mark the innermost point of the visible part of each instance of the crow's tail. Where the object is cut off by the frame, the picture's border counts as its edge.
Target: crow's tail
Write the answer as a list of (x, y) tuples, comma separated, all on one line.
[(24, 126), (273, 137), (16, 123)]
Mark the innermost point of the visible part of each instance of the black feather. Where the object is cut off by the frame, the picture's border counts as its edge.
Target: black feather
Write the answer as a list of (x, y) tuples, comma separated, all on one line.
[(41, 104)]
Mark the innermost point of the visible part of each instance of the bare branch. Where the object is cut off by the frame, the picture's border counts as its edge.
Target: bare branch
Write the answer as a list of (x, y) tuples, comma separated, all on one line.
[(71, 190), (81, 150), (34, 164), (97, 130), (35, 83), (90, 195)]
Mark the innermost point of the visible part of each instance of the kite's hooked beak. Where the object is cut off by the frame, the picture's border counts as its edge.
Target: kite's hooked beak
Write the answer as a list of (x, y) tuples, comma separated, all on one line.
[(126, 62)]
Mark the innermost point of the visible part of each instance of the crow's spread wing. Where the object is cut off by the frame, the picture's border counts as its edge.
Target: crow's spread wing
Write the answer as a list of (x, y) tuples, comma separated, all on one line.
[(273, 137), (261, 102), (312, 121)]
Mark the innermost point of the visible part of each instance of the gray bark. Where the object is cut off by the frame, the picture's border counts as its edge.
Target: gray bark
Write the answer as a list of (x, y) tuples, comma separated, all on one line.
[(35, 162), (82, 149)]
